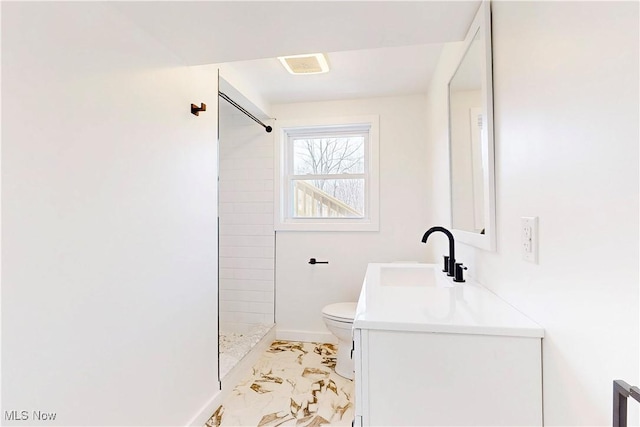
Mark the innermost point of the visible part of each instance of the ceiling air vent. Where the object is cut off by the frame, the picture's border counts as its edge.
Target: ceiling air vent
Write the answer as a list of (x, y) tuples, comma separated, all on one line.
[(313, 63)]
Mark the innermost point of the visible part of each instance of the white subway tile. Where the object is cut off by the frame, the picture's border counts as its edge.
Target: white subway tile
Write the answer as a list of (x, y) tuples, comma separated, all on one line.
[(235, 317), (245, 230), (225, 197), (231, 175), (246, 218), (253, 274), (248, 163), (263, 173), (247, 237), (261, 152), (247, 263), (242, 185), (256, 241), (246, 296), (246, 196), (247, 252), (235, 306), (235, 174), (247, 285), (226, 263), (226, 164), (267, 319), (225, 208), (246, 307), (254, 207), (260, 307), (226, 273)]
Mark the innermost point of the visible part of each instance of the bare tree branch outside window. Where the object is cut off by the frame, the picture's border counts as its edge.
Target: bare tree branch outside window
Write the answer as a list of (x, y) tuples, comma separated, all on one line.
[(341, 155)]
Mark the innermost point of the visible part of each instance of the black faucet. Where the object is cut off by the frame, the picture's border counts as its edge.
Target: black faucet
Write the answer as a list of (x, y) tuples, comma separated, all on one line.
[(451, 264)]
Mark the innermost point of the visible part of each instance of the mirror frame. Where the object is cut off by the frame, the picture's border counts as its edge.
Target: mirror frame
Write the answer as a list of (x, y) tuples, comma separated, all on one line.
[(481, 25)]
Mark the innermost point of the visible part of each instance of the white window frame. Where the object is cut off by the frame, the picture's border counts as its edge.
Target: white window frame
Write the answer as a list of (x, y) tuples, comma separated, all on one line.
[(283, 218)]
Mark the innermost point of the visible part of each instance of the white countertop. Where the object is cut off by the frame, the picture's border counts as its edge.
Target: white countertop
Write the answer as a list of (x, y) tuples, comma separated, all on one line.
[(421, 298)]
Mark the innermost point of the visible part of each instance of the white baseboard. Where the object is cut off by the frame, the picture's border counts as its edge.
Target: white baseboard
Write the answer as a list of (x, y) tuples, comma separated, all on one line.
[(207, 410), (231, 379), (305, 336)]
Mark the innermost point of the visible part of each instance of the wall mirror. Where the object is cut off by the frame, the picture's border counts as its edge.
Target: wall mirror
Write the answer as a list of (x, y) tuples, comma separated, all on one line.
[(471, 145)]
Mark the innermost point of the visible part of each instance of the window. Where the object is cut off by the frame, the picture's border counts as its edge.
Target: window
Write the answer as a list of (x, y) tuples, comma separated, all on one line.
[(328, 176)]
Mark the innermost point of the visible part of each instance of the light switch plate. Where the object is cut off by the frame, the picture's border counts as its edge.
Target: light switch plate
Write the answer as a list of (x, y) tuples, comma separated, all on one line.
[(529, 233)]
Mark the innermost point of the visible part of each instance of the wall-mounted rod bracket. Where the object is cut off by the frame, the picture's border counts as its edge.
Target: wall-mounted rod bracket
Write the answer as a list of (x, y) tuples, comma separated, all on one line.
[(195, 110), (314, 261)]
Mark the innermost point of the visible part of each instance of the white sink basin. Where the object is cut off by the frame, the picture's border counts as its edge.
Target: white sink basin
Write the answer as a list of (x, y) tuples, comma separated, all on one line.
[(420, 275), (417, 297)]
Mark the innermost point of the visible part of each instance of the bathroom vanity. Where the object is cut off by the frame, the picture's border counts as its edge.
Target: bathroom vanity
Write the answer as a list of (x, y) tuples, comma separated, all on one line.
[(429, 351)]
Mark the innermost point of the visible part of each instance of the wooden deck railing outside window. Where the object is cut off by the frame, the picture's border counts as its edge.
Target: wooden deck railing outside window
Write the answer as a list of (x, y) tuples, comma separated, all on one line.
[(310, 202)]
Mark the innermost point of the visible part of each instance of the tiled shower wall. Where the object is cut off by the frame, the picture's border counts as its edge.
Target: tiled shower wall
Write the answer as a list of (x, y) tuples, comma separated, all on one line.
[(247, 237)]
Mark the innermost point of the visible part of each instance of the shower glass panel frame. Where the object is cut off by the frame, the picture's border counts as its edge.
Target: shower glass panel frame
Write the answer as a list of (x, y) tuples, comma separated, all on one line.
[(246, 236)]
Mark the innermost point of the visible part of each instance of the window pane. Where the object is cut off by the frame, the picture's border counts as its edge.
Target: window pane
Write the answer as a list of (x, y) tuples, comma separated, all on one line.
[(328, 155), (324, 198)]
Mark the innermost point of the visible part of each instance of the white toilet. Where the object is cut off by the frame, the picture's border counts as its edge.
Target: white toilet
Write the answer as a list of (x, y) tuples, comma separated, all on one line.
[(339, 320)]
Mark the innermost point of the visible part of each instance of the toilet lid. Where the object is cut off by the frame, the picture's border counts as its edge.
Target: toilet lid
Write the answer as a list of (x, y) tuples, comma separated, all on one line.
[(345, 311)]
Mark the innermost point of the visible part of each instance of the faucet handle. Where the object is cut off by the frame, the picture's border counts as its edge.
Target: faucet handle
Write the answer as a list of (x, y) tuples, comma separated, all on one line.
[(446, 264), (459, 275)]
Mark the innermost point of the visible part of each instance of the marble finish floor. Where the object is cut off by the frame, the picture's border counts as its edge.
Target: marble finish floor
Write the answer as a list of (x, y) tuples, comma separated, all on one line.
[(293, 384)]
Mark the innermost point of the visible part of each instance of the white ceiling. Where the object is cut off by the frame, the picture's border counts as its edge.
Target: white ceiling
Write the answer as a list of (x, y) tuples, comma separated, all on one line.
[(375, 48), (354, 74)]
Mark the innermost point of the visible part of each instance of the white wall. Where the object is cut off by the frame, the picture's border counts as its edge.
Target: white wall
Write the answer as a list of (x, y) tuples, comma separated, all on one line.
[(437, 158), (109, 305), (302, 290), (566, 132), (247, 239)]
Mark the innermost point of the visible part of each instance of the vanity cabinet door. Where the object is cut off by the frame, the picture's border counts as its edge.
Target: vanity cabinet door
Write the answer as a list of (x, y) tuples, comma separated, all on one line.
[(428, 379)]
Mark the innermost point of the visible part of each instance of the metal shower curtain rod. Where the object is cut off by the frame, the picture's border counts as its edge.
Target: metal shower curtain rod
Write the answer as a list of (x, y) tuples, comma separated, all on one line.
[(239, 107)]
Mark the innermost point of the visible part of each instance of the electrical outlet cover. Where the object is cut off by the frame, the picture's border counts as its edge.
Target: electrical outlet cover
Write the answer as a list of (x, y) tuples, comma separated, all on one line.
[(529, 239)]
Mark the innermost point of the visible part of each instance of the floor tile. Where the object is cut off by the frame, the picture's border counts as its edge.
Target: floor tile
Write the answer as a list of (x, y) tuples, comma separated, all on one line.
[(292, 384)]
